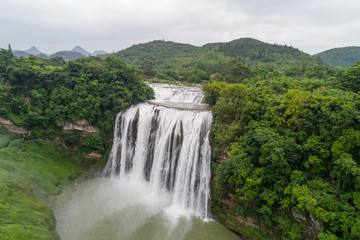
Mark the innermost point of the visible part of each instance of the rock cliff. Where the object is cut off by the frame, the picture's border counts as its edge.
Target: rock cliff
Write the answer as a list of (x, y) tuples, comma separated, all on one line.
[(80, 125), (12, 127)]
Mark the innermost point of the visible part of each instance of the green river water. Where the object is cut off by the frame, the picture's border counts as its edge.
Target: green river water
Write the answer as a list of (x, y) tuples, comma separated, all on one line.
[(103, 209)]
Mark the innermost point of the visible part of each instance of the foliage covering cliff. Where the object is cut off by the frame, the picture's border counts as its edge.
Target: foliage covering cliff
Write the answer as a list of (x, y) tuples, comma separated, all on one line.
[(37, 93), (289, 154)]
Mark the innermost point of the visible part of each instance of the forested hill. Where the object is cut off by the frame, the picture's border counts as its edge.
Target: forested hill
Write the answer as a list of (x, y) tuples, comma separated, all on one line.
[(163, 54), (288, 153), (255, 53), (341, 57), (251, 52), (37, 93)]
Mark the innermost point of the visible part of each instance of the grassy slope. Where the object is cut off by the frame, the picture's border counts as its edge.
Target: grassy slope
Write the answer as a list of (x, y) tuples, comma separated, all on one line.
[(341, 57), (29, 174)]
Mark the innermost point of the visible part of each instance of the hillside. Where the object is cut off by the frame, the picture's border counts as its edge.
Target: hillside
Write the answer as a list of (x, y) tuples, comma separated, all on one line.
[(163, 54), (251, 52), (67, 55), (287, 154), (341, 57), (255, 53)]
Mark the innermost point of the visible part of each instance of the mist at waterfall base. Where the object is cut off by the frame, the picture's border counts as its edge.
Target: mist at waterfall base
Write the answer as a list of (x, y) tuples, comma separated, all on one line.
[(156, 184)]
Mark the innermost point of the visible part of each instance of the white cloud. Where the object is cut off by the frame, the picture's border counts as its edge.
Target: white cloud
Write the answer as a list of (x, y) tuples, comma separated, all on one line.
[(53, 25)]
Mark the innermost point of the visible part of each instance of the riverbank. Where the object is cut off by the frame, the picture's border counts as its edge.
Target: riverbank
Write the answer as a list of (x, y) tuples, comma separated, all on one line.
[(31, 175)]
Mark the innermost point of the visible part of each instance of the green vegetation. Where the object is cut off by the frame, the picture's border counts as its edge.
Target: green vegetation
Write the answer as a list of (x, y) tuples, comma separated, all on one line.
[(184, 62), (289, 152), (37, 93), (29, 174), (341, 57)]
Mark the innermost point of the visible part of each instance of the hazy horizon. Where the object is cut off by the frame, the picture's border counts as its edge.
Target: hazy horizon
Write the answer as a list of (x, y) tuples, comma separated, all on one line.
[(52, 26)]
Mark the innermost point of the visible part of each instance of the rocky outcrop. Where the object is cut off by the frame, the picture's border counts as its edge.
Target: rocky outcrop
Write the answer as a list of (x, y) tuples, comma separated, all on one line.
[(12, 127), (94, 155), (80, 125)]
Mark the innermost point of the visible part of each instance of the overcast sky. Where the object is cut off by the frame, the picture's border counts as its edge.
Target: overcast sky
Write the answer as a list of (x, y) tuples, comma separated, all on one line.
[(53, 25)]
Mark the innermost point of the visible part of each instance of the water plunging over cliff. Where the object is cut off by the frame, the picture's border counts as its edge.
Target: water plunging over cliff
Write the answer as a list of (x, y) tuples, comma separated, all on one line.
[(156, 184), (167, 147)]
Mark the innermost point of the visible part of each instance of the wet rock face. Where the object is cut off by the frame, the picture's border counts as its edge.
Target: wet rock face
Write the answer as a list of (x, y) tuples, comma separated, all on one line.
[(12, 127), (80, 125)]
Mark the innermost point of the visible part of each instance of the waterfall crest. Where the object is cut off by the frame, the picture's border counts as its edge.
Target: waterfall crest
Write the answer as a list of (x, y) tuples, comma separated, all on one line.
[(167, 147)]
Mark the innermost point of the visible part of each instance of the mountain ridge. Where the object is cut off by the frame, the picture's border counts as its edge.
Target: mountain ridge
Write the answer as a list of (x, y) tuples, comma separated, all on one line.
[(252, 52)]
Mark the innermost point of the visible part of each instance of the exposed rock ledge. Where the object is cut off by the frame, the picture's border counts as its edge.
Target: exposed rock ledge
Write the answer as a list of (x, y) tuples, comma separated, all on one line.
[(94, 155), (12, 127), (80, 125)]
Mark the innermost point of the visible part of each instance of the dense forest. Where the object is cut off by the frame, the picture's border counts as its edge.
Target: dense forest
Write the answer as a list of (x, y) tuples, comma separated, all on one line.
[(341, 57), (288, 153), (185, 62), (38, 93)]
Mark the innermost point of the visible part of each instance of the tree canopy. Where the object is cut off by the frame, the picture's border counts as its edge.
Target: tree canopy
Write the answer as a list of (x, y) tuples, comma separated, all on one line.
[(290, 145), (37, 93)]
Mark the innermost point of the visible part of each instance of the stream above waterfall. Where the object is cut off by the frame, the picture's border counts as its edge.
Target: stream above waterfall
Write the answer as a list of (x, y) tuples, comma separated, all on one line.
[(156, 184)]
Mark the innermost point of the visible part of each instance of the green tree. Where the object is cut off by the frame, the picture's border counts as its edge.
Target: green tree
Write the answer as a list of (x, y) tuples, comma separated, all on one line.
[(350, 78), (147, 66), (93, 141)]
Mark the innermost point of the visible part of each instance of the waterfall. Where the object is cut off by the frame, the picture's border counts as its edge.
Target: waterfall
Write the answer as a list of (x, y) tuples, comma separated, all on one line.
[(165, 143), (156, 184)]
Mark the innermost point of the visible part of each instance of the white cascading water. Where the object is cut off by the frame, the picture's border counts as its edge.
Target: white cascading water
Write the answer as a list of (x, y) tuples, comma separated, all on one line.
[(157, 177), (165, 144), (177, 94)]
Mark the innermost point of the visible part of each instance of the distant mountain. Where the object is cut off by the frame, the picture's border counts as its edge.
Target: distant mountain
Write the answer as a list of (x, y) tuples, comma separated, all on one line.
[(341, 57), (252, 52), (98, 52), (67, 55), (80, 50), (42, 55), (33, 51), (18, 53)]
